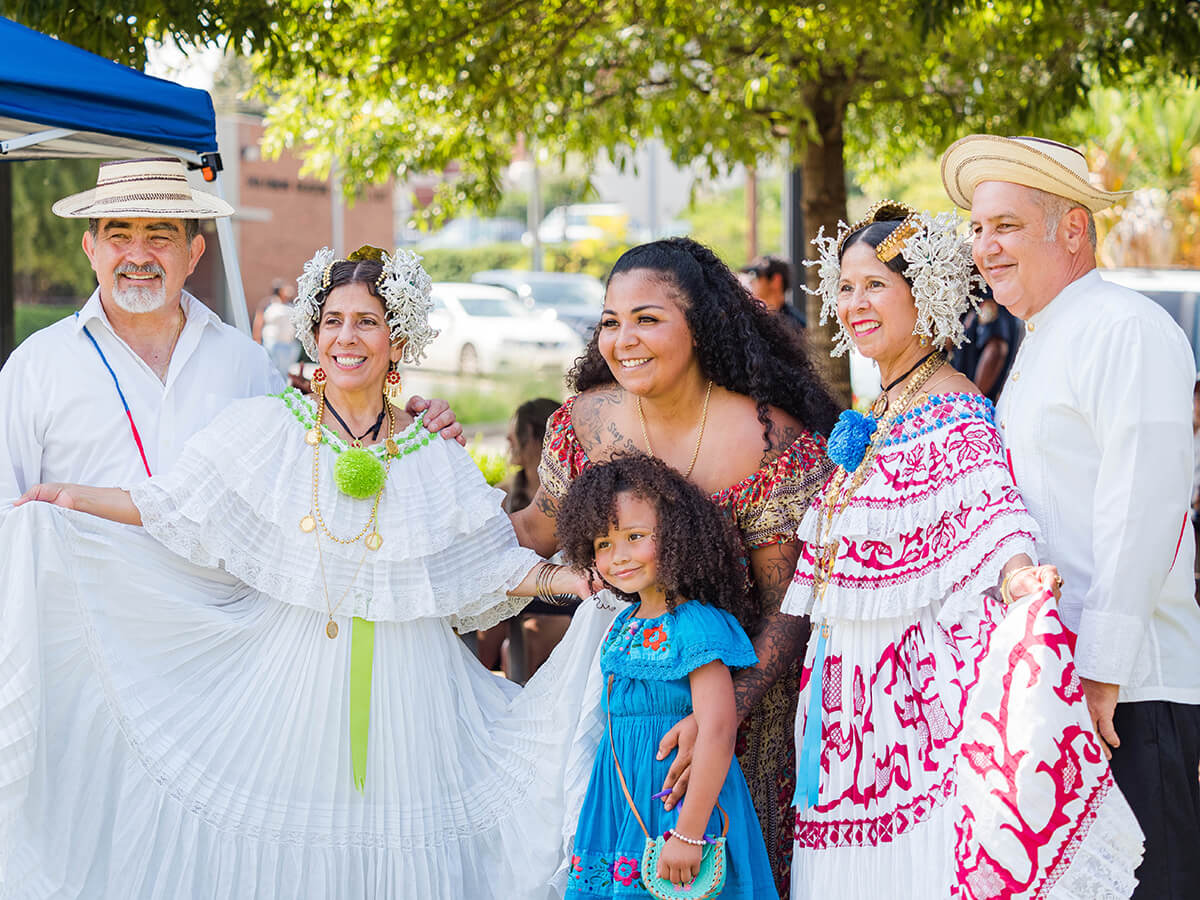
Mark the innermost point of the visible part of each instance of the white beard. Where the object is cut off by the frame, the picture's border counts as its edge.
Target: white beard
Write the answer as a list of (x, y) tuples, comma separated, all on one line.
[(139, 299)]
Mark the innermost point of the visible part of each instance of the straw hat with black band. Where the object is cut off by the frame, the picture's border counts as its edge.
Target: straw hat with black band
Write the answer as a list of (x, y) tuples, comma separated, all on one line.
[(154, 188), (1033, 162)]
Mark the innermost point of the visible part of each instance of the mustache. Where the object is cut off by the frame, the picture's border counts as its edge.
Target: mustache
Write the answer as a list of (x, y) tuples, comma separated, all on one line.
[(132, 269)]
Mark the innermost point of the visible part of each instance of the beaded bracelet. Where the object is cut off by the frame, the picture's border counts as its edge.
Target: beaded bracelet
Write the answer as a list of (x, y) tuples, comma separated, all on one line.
[(695, 842)]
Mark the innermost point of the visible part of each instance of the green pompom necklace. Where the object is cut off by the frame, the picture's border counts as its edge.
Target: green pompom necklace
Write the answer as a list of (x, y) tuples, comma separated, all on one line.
[(358, 473)]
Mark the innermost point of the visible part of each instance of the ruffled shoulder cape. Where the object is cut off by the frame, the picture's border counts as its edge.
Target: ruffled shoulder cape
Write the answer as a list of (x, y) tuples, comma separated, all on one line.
[(936, 518), (671, 646), (236, 496)]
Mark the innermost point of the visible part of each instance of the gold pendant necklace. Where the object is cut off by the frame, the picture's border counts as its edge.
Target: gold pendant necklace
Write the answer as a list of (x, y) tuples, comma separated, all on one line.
[(309, 523), (637, 401)]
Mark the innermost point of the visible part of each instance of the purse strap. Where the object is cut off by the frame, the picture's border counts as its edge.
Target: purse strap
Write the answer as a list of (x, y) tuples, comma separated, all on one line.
[(621, 775)]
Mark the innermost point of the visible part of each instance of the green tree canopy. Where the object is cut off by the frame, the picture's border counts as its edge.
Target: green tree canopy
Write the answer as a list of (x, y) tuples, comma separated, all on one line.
[(393, 87)]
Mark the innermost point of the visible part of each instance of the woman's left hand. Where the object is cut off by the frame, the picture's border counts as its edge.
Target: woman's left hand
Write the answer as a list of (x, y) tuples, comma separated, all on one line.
[(586, 583), (439, 417), (1035, 579)]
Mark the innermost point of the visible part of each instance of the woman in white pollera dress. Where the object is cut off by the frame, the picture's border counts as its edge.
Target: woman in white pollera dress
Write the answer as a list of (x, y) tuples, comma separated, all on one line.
[(258, 693)]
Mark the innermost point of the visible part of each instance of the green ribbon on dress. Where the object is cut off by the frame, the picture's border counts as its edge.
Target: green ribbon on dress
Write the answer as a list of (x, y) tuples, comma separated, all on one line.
[(362, 655)]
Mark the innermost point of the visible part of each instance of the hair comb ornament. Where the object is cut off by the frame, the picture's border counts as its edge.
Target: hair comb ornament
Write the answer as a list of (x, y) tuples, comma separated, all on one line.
[(894, 242)]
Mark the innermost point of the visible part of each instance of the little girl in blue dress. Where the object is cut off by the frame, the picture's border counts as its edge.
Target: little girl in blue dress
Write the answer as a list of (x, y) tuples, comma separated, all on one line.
[(657, 541)]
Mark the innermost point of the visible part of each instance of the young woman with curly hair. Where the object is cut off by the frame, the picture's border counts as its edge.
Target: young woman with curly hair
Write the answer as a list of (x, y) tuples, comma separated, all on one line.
[(686, 366), (657, 541)]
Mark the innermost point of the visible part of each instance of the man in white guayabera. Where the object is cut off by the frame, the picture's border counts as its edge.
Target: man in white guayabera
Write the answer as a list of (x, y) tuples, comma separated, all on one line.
[(1097, 419)]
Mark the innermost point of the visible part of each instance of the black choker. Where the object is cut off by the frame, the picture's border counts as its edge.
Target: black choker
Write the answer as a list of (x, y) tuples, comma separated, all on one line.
[(886, 387), (373, 431)]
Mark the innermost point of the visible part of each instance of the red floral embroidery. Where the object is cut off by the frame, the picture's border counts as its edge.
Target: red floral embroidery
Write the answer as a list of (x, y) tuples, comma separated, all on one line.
[(625, 870), (655, 638)]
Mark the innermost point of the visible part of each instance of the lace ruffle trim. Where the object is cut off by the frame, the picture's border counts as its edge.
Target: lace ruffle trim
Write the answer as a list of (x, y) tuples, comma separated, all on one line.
[(955, 578)]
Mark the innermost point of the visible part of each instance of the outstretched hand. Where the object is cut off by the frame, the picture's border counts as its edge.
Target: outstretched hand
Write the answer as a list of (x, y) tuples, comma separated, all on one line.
[(682, 736), (439, 417), (56, 493)]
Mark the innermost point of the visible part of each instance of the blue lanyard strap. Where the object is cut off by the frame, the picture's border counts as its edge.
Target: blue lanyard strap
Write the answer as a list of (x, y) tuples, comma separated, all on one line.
[(137, 438)]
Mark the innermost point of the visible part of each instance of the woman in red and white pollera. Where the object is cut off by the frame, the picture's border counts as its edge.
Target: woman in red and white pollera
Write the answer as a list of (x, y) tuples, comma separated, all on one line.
[(944, 744)]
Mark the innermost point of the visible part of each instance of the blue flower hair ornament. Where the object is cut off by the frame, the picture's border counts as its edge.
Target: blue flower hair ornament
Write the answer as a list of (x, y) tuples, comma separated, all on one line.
[(850, 438)]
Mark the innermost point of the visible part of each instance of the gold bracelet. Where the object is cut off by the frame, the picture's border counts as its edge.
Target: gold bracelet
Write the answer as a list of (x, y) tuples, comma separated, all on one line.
[(545, 590), (1004, 592)]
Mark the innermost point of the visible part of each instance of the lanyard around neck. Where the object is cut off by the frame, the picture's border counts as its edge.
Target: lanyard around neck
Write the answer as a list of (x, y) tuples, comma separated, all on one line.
[(137, 438)]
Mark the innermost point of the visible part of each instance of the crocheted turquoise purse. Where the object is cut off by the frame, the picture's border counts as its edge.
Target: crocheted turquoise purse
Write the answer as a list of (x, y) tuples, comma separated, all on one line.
[(709, 881)]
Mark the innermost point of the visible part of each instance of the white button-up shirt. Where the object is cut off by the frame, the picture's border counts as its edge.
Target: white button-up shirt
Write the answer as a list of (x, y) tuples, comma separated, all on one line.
[(1097, 419), (62, 417)]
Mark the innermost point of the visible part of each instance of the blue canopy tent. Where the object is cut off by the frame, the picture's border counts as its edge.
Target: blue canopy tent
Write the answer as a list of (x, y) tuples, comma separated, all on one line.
[(59, 101)]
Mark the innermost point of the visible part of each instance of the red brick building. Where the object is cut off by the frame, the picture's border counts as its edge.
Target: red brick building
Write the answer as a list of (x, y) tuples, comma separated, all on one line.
[(282, 217)]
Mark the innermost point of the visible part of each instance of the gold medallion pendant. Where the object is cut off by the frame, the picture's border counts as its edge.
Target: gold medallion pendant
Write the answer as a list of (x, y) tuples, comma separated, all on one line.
[(373, 541), (331, 629), (308, 524), (313, 436)]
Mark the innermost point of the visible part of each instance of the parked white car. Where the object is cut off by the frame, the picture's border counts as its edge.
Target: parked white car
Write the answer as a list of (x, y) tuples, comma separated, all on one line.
[(484, 329)]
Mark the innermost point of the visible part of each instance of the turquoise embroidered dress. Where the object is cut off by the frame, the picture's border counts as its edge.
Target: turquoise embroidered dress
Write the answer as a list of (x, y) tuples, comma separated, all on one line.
[(650, 660)]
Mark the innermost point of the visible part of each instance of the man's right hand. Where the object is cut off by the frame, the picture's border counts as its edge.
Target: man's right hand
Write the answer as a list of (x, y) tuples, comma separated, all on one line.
[(682, 735), (1102, 703)]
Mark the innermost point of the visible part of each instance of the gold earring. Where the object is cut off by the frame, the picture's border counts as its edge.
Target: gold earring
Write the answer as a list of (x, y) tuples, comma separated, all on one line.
[(392, 386)]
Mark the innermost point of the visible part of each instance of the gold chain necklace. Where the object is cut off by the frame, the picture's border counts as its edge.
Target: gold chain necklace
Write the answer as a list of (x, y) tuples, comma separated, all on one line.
[(637, 401), (837, 498), (314, 518)]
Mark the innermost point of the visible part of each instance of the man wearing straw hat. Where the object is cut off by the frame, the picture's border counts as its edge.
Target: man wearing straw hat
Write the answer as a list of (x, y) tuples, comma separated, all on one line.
[(1096, 417), (110, 395)]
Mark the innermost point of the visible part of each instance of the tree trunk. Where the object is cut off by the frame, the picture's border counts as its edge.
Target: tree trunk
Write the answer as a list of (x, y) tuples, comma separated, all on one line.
[(824, 204)]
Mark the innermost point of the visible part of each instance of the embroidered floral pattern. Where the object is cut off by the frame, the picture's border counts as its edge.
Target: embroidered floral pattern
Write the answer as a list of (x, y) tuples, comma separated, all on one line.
[(766, 506), (626, 871), (655, 638), (605, 874)]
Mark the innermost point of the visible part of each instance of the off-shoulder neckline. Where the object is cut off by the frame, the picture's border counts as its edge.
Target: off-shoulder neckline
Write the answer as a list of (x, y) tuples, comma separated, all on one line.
[(719, 496)]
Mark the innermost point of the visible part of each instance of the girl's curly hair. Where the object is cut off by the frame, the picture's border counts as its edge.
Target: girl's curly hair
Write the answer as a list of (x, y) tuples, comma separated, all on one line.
[(699, 551), (740, 345)]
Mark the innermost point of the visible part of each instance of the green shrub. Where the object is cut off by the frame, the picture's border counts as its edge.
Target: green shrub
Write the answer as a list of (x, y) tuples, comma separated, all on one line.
[(494, 466), (31, 317)]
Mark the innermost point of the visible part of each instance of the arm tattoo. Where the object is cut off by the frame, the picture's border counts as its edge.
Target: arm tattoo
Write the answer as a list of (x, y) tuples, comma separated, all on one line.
[(547, 504), (782, 437), (783, 638)]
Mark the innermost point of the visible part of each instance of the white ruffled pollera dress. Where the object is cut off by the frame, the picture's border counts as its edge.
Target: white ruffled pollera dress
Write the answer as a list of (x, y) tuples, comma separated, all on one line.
[(174, 722)]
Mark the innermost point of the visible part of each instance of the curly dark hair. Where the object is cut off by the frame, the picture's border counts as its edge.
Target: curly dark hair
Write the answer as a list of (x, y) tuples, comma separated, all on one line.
[(699, 551), (740, 345)]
